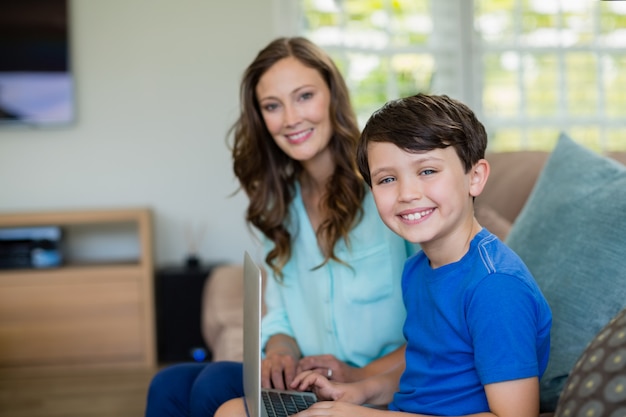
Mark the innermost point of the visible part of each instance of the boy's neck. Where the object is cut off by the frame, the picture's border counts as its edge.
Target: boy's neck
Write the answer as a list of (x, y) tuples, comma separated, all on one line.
[(452, 248)]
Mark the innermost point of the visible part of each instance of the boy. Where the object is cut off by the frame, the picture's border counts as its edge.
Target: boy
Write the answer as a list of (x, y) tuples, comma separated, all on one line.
[(477, 327)]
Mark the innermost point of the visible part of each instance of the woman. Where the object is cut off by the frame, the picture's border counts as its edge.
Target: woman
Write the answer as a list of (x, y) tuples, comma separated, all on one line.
[(333, 294)]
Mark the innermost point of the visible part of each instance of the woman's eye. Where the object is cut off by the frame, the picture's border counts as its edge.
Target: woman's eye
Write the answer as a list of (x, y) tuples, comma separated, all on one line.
[(270, 107), (306, 96)]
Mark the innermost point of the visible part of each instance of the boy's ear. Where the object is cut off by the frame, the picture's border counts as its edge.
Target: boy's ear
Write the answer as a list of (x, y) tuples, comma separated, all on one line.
[(478, 177)]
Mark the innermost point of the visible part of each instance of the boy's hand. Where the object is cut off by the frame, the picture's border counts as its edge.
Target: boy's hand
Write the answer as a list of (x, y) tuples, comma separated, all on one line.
[(326, 390), (320, 385), (330, 367)]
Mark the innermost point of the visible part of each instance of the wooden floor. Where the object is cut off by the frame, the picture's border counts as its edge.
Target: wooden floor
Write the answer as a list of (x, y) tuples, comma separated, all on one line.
[(74, 393)]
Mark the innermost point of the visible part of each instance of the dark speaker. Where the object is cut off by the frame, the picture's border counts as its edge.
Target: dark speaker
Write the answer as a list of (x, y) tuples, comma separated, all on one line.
[(178, 297)]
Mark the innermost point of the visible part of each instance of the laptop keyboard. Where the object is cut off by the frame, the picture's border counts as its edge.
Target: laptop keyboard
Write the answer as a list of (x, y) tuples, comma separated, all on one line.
[(283, 404)]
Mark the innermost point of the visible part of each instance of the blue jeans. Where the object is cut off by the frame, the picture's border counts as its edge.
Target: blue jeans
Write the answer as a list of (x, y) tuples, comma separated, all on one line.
[(194, 389)]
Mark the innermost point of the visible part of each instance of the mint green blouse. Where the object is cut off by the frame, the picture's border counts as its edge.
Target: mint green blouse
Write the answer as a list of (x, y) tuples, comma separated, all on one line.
[(352, 311)]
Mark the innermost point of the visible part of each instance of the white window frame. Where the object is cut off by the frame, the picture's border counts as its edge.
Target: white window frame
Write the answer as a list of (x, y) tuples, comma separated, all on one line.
[(459, 52)]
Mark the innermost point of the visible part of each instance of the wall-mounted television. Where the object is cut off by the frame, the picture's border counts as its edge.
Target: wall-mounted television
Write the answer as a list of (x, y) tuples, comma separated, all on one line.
[(36, 83)]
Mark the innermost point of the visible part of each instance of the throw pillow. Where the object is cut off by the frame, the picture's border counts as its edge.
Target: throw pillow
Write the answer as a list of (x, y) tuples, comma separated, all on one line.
[(572, 236), (597, 384)]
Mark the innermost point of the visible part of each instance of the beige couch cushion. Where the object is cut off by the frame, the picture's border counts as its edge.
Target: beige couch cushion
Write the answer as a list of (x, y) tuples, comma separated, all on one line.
[(618, 156), (222, 313), (513, 175)]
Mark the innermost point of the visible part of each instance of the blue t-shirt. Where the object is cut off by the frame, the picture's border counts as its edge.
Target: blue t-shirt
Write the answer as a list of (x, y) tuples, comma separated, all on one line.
[(353, 310), (474, 322)]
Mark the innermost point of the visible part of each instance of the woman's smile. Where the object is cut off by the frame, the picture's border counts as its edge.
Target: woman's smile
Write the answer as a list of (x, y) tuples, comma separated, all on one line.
[(294, 100), (299, 137)]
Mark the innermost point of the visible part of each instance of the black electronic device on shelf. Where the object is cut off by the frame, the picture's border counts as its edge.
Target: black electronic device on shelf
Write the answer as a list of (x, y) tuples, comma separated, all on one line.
[(178, 296), (30, 247)]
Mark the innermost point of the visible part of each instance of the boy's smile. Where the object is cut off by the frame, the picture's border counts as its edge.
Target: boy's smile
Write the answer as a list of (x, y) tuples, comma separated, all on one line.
[(416, 216), (424, 197)]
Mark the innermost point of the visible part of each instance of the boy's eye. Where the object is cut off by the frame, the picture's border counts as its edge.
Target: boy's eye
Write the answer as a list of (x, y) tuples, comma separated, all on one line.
[(386, 180), (428, 172)]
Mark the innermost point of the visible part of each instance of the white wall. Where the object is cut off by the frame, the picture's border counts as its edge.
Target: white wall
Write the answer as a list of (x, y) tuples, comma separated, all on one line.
[(156, 90)]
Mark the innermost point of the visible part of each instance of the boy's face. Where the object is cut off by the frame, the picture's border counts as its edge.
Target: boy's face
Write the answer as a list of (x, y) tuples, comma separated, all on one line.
[(424, 197)]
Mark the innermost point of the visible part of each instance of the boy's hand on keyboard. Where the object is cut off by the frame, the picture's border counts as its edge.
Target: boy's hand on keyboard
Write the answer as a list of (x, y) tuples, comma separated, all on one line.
[(326, 390), (328, 366)]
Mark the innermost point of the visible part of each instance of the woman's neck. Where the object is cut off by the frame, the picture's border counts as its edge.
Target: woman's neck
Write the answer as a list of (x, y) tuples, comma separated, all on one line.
[(313, 182), (316, 173)]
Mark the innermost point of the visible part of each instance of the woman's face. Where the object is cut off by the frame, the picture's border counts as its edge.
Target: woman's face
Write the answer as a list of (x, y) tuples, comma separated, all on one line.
[(295, 104)]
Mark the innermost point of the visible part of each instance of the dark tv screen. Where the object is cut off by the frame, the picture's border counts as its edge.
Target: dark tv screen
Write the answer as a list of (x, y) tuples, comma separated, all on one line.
[(36, 85)]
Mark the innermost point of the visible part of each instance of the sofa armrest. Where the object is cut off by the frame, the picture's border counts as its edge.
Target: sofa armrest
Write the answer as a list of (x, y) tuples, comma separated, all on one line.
[(222, 313)]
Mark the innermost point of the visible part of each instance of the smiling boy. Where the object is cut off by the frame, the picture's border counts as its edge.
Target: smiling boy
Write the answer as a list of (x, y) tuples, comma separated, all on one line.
[(477, 327)]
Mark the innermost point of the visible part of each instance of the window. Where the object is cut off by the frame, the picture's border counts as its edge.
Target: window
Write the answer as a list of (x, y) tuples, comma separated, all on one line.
[(529, 68)]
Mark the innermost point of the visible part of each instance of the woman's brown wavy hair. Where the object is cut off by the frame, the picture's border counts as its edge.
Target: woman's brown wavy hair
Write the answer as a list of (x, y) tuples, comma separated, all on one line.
[(268, 175)]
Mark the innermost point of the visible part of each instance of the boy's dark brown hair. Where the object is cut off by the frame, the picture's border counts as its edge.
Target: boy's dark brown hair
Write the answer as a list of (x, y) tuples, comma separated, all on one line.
[(422, 123)]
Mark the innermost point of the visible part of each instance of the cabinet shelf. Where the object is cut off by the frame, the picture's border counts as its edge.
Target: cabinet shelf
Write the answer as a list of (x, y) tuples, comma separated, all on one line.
[(71, 273), (80, 314)]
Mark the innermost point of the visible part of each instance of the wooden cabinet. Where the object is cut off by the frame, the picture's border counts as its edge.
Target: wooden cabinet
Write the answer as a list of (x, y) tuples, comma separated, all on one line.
[(81, 314)]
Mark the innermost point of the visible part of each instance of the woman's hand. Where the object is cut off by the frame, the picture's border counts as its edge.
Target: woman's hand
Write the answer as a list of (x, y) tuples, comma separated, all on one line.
[(278, 370), (330, 367)]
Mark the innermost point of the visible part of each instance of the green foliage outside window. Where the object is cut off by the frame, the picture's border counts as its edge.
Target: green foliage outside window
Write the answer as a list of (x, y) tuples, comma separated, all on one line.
[(546, 66), (376, 44)]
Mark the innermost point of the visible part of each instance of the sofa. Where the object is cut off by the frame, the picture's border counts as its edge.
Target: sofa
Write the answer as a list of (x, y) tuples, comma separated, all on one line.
[(533, 201)]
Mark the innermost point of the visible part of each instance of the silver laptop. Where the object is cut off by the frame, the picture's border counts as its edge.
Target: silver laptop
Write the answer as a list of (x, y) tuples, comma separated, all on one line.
[(262, 402)]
